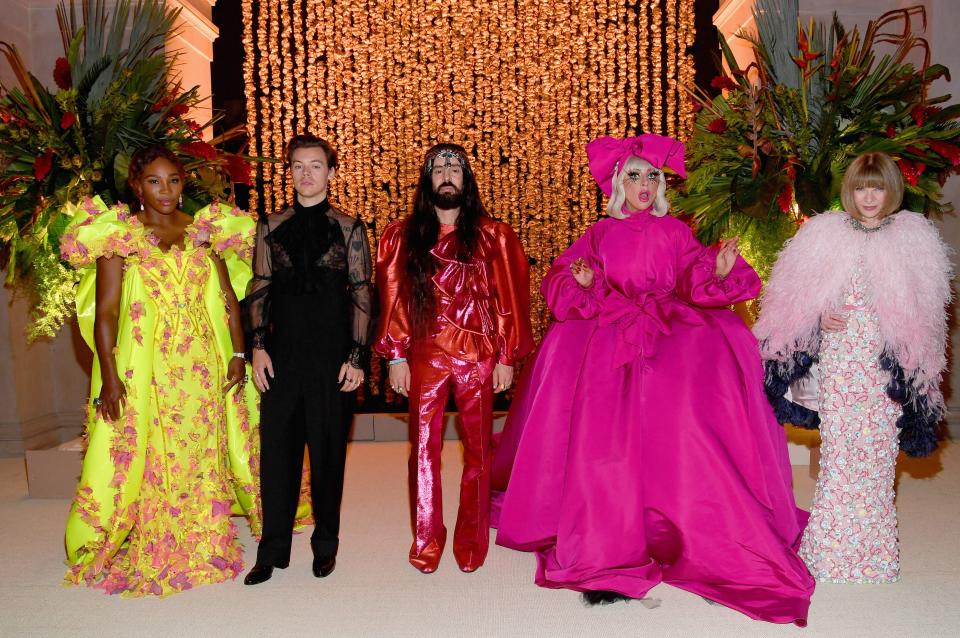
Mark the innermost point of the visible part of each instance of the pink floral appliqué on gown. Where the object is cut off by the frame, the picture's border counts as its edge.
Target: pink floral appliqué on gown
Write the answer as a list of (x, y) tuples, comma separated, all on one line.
[(641, 448), (852, 533)]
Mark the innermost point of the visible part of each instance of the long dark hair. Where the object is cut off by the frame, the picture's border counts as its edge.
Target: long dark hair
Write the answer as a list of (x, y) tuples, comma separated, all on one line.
[(423, 231)]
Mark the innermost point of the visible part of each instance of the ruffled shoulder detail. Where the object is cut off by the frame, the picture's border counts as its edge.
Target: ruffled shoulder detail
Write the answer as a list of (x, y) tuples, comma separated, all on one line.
[(228, 230), (96, 230)]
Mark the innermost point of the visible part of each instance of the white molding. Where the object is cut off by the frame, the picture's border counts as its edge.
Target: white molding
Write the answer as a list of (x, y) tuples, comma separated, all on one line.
[(730, 8), (191, 16)]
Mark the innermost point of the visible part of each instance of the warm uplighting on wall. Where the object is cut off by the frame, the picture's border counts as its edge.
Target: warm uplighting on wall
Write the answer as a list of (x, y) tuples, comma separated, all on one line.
[(522, 84)]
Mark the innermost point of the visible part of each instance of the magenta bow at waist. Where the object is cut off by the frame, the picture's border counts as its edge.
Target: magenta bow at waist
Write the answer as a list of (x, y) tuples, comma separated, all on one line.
[(641, 321)]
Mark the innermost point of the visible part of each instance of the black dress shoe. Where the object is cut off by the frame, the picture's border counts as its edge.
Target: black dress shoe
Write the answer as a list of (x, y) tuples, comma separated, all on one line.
[(259, 574), (323, 566)]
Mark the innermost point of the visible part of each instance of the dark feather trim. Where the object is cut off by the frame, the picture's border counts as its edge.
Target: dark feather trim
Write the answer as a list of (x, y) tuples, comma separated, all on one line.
[(920, 422), (777, 378), (602, 597)]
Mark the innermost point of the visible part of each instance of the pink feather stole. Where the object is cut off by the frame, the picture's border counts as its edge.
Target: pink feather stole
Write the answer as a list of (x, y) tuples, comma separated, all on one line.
[(908, 271)]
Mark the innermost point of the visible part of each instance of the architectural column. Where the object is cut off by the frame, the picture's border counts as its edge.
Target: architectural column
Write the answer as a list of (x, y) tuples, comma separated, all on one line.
[(192, 39)]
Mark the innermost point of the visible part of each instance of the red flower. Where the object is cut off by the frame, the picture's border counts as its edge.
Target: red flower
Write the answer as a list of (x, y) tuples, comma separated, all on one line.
[(43, 164), (785, 198), (178, 110), (161, 104), (61, 74), (948, 151), (891, 131), (804, 45), (911, 170), (199, 149), (913, 150), (918, 113), (68, 120), (696, 106), (806, 55), (722, 82), (791, 172), (718, 126), (237, 168)]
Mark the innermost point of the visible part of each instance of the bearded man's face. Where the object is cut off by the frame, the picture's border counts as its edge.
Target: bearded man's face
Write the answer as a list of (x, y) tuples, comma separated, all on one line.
[(447, 182)]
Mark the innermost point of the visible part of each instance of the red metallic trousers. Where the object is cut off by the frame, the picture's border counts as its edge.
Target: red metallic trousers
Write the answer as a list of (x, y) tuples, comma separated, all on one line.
[(432, 375)]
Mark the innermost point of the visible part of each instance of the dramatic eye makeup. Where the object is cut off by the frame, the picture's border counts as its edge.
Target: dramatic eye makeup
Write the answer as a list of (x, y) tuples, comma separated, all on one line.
[(637, 176)]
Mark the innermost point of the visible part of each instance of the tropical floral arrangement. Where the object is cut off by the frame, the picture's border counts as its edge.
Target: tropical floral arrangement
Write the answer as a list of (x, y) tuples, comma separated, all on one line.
[(113, 95), (771, 150)]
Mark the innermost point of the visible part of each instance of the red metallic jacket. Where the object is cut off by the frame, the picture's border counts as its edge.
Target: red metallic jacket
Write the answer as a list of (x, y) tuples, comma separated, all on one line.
[(483, 306)]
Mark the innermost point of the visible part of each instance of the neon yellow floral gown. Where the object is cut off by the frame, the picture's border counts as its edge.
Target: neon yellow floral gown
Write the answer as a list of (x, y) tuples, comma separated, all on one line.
[(152, 509)]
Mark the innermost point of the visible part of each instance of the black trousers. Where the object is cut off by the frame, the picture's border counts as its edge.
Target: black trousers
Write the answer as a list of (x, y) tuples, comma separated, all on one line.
[(304, 405)]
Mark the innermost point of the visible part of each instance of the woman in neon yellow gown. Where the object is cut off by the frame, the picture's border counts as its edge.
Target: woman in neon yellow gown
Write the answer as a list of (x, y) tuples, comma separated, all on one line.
[(173, 446)]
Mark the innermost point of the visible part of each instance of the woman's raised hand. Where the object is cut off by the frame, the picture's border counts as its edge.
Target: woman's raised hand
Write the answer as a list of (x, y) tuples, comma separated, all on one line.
[(582, 273), (727, 256)]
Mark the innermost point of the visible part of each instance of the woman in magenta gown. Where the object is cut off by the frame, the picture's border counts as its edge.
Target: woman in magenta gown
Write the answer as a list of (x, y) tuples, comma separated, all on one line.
[(641, 448)]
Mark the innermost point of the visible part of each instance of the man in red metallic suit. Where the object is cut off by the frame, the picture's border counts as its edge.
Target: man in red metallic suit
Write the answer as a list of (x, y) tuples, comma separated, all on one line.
[(455, 297)]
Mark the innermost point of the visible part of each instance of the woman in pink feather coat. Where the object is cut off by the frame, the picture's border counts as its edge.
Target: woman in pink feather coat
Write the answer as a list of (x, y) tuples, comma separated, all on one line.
[(641, 448), (863, 293)]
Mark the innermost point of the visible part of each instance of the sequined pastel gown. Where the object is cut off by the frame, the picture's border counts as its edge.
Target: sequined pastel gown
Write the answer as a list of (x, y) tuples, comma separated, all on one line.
[(152, 513), (852, 533)]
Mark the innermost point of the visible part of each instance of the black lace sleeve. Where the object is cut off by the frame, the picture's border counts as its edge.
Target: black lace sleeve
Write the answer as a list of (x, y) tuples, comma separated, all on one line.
[(359, 274), (256, 302)]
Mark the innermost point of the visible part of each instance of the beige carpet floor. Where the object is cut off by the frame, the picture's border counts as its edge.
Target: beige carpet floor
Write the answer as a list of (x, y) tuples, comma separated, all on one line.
[(374, 591)]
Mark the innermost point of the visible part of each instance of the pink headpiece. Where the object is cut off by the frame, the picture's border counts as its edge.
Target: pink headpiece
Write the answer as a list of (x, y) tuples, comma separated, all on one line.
[(609, 154)]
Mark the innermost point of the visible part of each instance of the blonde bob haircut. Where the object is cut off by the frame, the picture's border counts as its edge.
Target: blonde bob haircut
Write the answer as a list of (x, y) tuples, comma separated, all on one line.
[(872, 170), (618, 196)]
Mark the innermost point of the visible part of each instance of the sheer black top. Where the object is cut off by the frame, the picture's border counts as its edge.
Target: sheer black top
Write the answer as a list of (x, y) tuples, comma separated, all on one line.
[(311, 287)]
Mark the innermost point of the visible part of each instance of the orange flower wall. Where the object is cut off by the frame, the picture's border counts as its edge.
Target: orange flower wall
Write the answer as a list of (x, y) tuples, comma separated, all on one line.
[(523, 85)]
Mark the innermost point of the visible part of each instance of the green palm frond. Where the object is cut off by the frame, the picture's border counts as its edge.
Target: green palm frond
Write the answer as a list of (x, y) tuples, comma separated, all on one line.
[(776, 37)]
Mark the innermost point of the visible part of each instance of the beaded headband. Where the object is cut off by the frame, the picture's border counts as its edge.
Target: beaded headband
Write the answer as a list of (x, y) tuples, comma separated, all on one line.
[(446, 154)]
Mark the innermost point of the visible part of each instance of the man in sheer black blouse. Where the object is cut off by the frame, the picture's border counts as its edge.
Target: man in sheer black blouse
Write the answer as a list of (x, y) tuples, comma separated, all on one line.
[(309, 305)]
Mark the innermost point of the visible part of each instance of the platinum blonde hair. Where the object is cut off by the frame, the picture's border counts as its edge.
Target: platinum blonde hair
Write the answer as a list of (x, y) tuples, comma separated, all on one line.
[(618, 196)]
